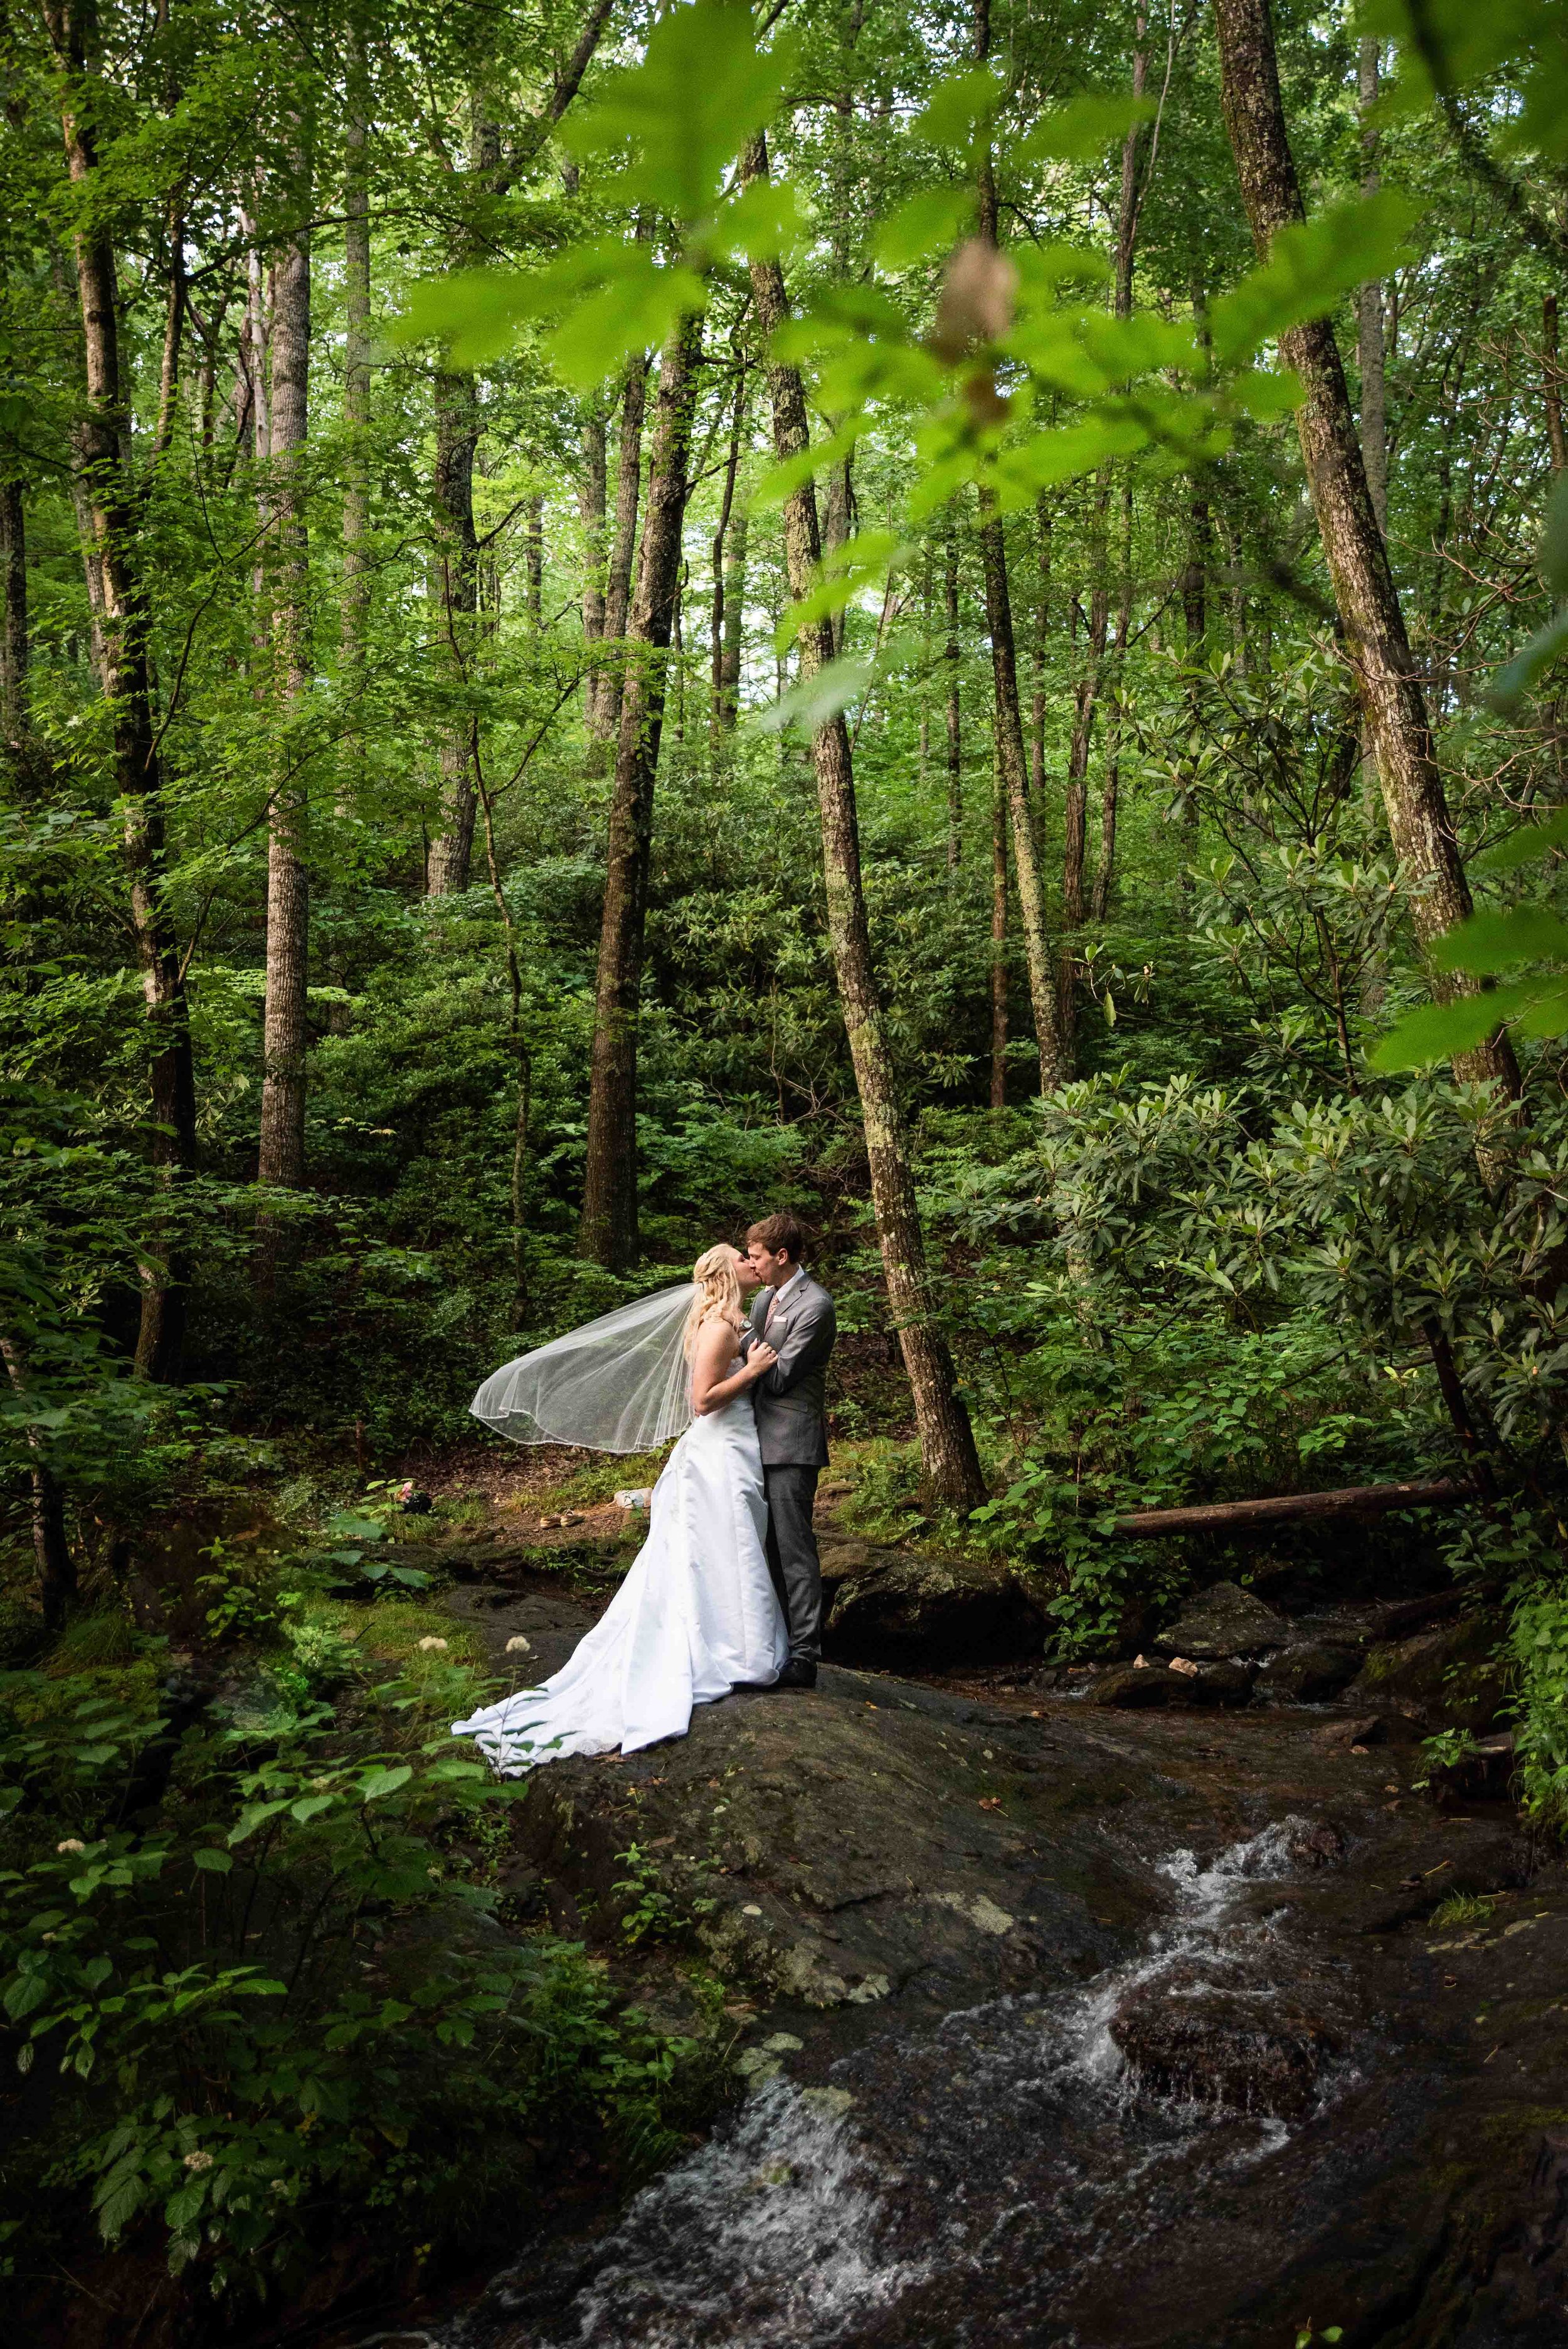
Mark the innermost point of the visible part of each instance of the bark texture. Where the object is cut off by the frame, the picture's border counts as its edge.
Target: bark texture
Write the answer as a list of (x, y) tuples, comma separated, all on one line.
[(606, 715), (281, 1159), (609, 1230), (356, 408), (103, 494), (1013, 774), (952, 1465), (1369, 308), (1376, 647)]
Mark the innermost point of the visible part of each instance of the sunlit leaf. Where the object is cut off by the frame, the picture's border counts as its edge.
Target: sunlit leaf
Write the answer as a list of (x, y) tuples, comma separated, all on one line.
[(1081, 131), (930, 223), (816, 700), (1489, 941), (1436, 1032), (1514, 682), (961, 104), (1524, 846), (701, 90), (1311, 266)]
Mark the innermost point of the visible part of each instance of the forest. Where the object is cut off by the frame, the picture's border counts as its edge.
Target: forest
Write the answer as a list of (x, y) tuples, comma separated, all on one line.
[(616, 618)]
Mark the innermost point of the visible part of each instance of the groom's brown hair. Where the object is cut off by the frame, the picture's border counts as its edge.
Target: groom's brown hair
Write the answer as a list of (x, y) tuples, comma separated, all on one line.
[(780, 1234)]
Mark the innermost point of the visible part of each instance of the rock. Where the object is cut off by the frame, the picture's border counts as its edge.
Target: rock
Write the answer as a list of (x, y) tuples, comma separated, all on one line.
[(1188, 2037), (1225, 1682), (1344, 1736), (1444, 1677), (1129, 1685), (1224, 1621), (1307, 1674), (907, 1610)]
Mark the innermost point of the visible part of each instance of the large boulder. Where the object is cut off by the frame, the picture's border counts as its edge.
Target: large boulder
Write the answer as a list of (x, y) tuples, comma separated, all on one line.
[(897, 1611), (1448, 1676), (1225, 1620), (1307, 1674)]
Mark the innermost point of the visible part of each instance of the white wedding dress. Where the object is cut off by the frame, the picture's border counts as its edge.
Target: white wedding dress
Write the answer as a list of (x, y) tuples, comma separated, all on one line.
[(696, 1613)]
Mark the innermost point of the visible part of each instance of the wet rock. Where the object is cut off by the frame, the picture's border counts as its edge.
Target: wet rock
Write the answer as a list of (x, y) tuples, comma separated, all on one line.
[(1484, 1775), (1317, 1844), (1307, 1674), (1445, 1676), (1225, 1620), (1345, 1737), (933, 1614), (1194, 2040), (1224, 1682), (1139, 1685)]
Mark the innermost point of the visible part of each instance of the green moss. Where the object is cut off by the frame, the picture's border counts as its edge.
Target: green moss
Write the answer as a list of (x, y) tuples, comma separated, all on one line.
[(391, 1631), (602, 1481)]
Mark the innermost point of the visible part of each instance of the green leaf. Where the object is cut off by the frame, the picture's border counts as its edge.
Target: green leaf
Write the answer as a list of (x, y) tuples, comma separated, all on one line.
[(816, 701), (763, 222), (309, 1806), (780, 482), (1554, 541), (377, 1784), (1525, 845), (701, 91), (477, 314), (1310, 265), (215, 1863), (1514, 682), (961, 104), (1081, 131), (638, 309), (930, 222), (1490, 942), (1436, 1032)]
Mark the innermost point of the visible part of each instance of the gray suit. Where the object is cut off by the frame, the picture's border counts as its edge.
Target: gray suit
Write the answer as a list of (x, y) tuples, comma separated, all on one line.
[(792, 1429)]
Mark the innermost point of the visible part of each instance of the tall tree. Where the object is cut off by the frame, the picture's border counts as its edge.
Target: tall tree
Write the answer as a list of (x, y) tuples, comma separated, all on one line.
[(951, 1462), (104, 491), (285, 1033), (609, 1231), (1377, 646), (356, 398), (1370, 319)]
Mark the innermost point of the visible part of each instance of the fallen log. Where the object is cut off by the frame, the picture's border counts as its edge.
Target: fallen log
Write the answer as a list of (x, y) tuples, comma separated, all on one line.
[(1287, 1508)]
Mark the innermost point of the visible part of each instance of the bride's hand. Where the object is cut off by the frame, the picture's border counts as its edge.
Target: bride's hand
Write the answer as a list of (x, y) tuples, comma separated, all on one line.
[(761, 1358)]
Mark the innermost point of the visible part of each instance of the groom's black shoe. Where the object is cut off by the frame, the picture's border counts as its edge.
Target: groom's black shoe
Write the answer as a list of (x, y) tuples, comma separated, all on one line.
[(797, 1674)]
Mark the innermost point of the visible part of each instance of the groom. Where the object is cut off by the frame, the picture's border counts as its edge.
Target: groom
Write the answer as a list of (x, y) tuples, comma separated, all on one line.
[(795, 1314)]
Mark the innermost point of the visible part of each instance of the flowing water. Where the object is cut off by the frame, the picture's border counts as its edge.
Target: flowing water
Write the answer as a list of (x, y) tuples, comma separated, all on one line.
[(994, 2179)]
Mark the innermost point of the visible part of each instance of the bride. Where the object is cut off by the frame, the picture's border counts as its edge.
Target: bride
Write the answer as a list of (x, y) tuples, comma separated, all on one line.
[(697, 1614)]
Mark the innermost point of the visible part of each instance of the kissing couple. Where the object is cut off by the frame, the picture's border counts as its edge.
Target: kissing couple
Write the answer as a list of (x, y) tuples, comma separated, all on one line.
[(726, 1591)]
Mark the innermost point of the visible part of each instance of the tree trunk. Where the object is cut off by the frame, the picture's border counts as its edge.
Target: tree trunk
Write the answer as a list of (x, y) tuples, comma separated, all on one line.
[(606, 717), (609, 1232), (1369, 328), (1196, 623), (281, 1160), (593, 486), (1099, 903), (1552, 384), (107, 505), (998, 937), (953, 655), (1376, 646), (356, 411), (1286, 1508), (456, 582), (951, 1462), (1014, 774), (1042, 639), (534, 558), (14, 638), (729, 586)]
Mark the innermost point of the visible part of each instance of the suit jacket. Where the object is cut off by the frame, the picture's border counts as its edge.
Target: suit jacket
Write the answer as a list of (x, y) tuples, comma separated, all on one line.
[(791, 1397)]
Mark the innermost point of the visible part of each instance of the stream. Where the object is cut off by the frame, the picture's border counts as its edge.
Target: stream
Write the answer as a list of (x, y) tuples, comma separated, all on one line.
[(1195, 2072)]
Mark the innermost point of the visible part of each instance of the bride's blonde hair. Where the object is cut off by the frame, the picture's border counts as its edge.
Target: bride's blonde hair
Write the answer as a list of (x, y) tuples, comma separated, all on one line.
[(718, 1293)]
